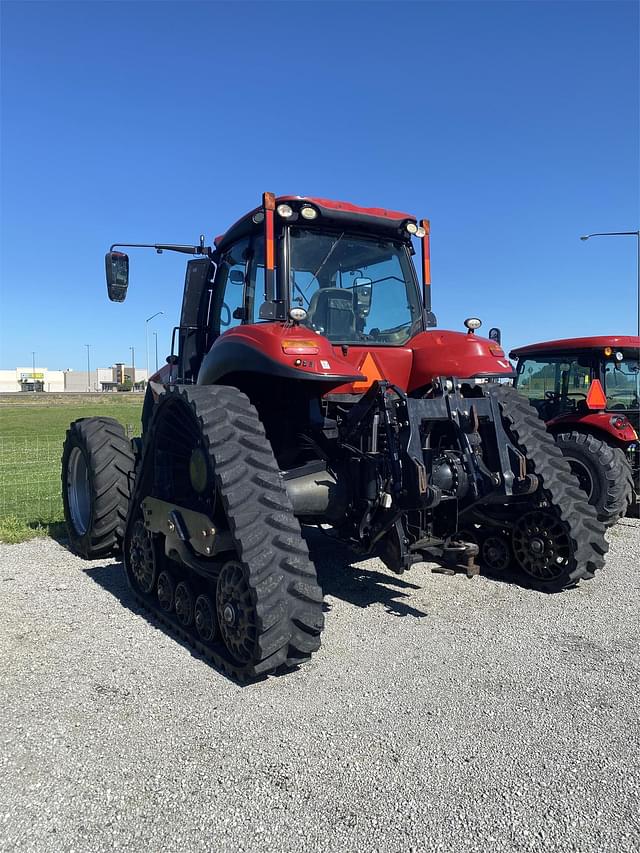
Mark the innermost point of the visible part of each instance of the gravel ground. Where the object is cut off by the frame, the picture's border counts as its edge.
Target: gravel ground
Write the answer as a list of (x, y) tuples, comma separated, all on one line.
[(441, 714)]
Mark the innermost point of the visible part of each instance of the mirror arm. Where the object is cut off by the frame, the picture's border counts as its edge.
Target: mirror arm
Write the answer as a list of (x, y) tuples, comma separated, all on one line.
[(169, 247)]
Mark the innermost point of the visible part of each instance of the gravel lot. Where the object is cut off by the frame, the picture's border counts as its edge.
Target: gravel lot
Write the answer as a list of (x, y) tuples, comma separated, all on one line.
[(441, 714)]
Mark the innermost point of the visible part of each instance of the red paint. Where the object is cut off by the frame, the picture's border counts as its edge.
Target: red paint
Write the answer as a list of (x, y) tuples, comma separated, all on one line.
[(347, 207), (594, 422), (597, 342), (429, 355), (270, 339), (326, 204)]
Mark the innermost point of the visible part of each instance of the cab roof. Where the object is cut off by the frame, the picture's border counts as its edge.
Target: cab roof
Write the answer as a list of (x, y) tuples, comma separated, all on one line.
[(338, 213), (567, 344)]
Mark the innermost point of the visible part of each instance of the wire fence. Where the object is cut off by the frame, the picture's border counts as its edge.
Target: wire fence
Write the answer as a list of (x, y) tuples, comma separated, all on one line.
[(30, 478)]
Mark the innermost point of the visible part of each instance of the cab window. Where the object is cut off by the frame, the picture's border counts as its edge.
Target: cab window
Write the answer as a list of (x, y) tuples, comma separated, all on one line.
[(554, 385)]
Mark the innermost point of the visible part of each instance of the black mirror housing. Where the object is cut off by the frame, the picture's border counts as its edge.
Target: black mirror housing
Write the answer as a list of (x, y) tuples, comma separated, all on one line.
[(117, 271)]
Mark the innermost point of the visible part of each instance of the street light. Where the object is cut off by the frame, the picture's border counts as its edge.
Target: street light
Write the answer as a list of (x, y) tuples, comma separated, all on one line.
[(88, 368), (155, 335), (635, 234), (146, 338), (133, 368), (33, 369)]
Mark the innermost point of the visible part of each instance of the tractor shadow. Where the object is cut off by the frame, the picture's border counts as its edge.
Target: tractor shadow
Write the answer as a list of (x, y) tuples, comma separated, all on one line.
[(340, 578), (113, 580)]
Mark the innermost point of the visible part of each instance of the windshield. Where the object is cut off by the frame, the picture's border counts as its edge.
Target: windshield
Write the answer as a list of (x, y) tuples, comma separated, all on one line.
[(354, 289), (622, 384)]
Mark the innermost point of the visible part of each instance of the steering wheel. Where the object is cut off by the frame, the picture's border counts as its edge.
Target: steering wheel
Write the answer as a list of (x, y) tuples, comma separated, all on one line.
[(225, 307)]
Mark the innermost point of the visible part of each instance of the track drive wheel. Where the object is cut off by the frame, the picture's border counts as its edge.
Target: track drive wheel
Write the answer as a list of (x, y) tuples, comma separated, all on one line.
[(603, 472), (556, 535), (97, 472)]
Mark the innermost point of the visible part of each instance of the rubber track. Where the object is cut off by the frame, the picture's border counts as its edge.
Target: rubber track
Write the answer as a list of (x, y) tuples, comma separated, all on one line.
[(110, 460), (267, 536), (559, 485), (617, 477)]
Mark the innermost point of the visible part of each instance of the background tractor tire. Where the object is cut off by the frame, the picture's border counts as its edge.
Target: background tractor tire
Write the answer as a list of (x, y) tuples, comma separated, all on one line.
[(557, 538), (97, 470), (602, 471)]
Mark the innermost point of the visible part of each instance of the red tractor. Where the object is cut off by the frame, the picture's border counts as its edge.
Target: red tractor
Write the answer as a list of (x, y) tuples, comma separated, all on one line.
[(588, 392), (307, 384)]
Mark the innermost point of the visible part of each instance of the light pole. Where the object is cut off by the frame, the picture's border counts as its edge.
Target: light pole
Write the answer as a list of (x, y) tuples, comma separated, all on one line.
[(133, 368), (33, 369), (635, 234), (146, 338), (88, 346), (155, 335)]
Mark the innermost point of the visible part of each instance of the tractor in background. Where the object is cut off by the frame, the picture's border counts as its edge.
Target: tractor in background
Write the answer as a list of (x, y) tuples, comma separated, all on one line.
[(587, 390), (307, 384)]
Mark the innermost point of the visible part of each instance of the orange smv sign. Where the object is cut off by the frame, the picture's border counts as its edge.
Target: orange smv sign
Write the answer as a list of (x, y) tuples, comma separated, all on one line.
[(370, 369)]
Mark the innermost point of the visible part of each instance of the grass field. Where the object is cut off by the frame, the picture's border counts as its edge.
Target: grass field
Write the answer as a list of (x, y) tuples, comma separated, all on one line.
[(32, 430)]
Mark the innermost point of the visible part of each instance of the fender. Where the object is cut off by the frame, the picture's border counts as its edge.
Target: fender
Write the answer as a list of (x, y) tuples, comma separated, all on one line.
[(596, 422), (467, 356), (276, 349)]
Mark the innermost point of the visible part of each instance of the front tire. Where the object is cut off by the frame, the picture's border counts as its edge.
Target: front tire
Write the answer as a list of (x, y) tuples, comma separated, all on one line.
[(97, 470), (602, 471)]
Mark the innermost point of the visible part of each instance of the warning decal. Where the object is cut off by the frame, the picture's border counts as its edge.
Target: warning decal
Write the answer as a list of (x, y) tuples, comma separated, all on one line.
[(370, 369)]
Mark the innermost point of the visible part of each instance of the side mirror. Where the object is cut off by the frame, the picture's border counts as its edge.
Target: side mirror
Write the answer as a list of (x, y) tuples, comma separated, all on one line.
[(117, 270), (236, 277), (495, 335), (362, 291)]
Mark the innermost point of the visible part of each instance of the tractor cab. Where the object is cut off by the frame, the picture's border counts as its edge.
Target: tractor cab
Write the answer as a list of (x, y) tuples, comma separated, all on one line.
[(580, 376)]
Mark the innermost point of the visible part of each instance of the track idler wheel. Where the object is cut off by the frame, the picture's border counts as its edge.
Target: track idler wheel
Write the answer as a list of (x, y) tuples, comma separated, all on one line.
[(205, 618), (496, 554), (166, 591), (184, 604), (142, 558)]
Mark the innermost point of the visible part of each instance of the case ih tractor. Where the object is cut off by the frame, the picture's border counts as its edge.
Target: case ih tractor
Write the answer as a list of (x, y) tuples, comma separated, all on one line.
[(307, 384), (588, 391)]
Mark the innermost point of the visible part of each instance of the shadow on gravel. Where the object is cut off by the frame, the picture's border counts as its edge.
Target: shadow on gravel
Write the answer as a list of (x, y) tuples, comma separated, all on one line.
[(340, 578), (112, 579)]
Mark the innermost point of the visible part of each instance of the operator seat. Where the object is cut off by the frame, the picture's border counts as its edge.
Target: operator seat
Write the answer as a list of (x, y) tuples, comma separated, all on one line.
[(331, 313)]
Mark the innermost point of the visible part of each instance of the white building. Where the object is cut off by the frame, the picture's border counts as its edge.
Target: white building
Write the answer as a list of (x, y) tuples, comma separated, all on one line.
[(75, 381), (28, 379)]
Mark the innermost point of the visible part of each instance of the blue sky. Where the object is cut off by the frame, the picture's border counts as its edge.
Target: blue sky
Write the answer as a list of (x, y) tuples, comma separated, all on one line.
[(512, 126)]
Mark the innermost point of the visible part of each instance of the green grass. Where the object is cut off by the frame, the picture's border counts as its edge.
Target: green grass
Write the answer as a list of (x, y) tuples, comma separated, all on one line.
[(31, 436)]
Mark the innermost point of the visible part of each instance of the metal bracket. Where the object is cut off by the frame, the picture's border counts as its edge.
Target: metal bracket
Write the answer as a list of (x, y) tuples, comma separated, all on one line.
[(178, 524)]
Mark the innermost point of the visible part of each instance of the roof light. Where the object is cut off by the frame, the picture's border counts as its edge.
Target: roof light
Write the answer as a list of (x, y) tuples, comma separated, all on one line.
[(608, 351), (619, 356), (308, 212), (258, 217), (420, 232), (473, 323), (298, 314), (284, 210), (412, 228)]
